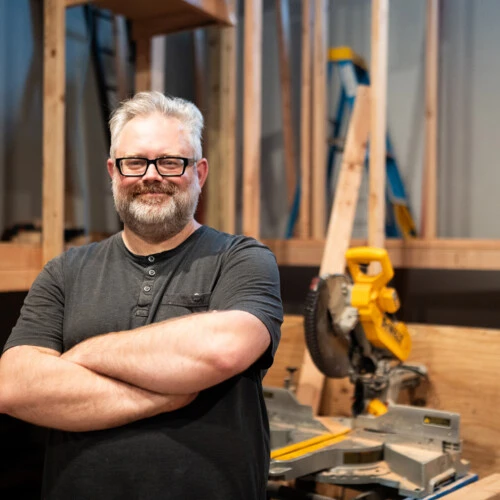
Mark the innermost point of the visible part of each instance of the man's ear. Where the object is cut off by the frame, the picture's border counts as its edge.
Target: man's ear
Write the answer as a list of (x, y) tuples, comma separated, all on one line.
[(110, 164), (202, 170)]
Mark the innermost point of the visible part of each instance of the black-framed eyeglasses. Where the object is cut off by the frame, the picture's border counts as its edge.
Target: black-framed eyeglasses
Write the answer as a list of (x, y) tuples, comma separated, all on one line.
[(166, 166)]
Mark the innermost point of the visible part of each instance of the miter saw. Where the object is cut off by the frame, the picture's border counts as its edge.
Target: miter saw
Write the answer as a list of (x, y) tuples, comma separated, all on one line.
[(392, 451)]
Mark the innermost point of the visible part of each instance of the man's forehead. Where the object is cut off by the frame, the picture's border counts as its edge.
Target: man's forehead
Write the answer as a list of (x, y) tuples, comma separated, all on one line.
[(154, 127)]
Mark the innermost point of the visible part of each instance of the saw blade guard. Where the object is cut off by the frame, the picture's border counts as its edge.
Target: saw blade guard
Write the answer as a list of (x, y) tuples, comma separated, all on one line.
[(328, 321)]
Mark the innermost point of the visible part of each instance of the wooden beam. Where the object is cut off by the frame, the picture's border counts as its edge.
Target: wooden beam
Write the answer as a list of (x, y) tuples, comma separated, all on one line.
[(429, 182), (347, 190), (75, 3), (462, 364), (54, 82), (175, 15), (309, 390), (143, 64), (487, 488), (378, 132), (305, 220), (221, 130), (414, 254), (252, 102), (319, 118), (283, 24), (19, 266)]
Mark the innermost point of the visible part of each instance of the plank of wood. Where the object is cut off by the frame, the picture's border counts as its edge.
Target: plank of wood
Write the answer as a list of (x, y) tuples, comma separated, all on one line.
[(142, 64), (487, 488), (283, 25), (319, 120), (221, 130), (252, 102), (290, 352), (378, 132), (156, 18), (429, 183), (54, 85), (429, 254), (305, 223), (340, 226), (200, 10), (19, 266), (347, 190), (75, 3)]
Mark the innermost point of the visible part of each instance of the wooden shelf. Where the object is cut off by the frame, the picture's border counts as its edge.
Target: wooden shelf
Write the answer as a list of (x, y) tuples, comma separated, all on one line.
[(20, 263), (425, 254), (156, 17), (19, 266)]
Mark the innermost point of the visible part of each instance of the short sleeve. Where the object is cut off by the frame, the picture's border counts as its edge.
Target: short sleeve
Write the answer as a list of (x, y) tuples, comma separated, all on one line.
[(249, 281), (41, 320)]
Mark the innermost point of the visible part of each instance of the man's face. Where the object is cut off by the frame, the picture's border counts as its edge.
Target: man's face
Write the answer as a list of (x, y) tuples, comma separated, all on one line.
[(155, 207)]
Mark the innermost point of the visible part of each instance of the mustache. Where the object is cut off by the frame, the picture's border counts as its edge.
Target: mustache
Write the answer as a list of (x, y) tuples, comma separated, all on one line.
[(168, 189)]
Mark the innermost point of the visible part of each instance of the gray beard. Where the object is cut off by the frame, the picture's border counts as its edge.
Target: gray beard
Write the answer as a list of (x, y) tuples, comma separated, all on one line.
[(155, 221)]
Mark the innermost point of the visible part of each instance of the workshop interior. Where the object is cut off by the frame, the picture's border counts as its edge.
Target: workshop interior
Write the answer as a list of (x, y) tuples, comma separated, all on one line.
[(356, 139)]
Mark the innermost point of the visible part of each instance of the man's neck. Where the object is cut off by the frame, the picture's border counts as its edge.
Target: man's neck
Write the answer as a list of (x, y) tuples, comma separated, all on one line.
[(138, 246)]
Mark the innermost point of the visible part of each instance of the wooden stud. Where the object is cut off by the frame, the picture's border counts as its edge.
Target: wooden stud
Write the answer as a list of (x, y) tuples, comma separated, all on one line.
[(54, 80), (305, 222), (378, 132), (252, 101), (283, 24), (429, 183), (221, 130), (339, 234), (143, 65), (319, 118)]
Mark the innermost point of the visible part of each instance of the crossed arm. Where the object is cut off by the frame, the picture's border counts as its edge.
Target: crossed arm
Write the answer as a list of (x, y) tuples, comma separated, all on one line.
[(121, 377)]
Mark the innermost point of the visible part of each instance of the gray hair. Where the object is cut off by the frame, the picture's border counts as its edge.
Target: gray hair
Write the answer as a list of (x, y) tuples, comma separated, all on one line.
[(146, 103)]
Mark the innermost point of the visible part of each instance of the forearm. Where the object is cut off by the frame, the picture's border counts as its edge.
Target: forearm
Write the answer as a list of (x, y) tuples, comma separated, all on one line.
[(52, 392), (177, 356)]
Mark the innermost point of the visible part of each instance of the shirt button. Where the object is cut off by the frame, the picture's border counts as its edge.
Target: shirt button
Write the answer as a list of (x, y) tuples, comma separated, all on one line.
[(151, 272), (147, 288), (151, 258)]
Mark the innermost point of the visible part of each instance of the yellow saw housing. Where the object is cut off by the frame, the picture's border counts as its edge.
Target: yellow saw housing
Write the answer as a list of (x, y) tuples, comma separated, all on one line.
[(373, 300)]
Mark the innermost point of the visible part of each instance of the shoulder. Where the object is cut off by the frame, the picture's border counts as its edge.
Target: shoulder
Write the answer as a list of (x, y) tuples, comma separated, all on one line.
[(233, 242), (75, 258)]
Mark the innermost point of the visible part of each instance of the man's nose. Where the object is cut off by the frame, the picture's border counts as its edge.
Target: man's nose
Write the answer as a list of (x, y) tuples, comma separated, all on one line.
[(152, 173)]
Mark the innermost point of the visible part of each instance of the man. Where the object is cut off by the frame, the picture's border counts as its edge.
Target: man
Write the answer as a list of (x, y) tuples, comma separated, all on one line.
[(144, 353)]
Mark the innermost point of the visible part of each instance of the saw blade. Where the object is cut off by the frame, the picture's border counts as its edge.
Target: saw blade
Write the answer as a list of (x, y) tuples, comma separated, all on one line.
[(327, 340)]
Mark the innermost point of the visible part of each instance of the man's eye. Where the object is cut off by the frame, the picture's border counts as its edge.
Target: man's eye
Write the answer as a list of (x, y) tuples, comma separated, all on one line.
[(135, 163), (169, 162)]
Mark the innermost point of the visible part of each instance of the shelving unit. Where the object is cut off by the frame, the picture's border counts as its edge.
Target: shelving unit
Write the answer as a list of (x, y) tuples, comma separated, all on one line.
[(20, 263)]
